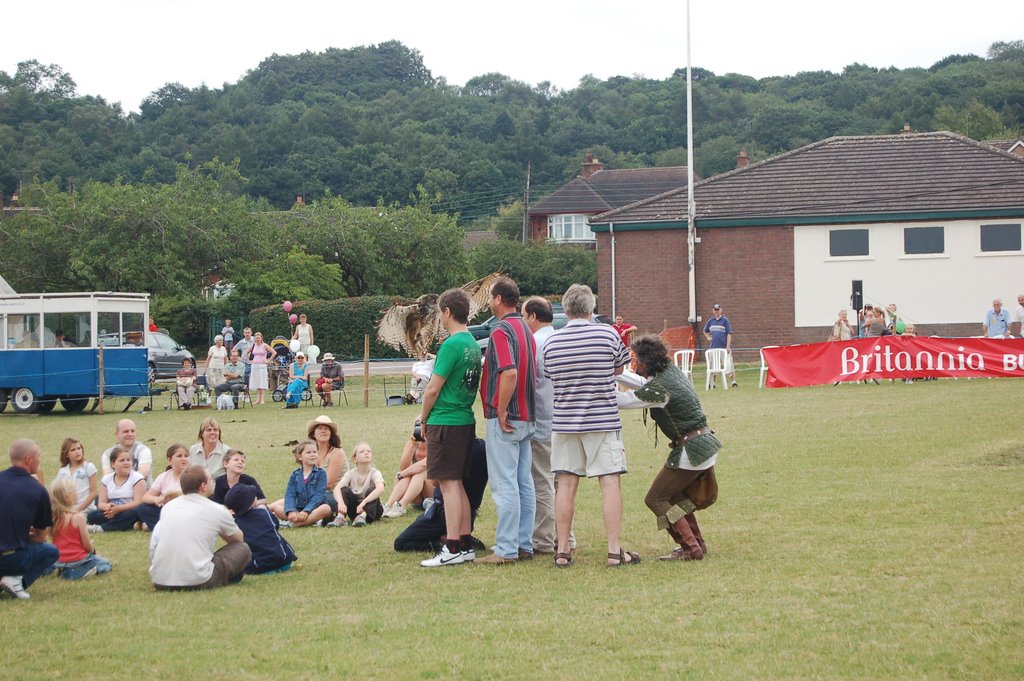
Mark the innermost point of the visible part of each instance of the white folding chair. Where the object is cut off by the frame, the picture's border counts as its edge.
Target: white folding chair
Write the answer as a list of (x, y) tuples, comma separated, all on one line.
[(684, 360), (764, 366), (717, 360)]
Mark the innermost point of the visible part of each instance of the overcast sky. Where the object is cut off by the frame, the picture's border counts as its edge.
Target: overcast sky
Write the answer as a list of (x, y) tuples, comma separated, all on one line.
[(123, 50)]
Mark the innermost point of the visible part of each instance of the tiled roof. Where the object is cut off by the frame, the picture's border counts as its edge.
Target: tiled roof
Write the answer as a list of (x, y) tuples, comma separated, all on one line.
[(850, 176), (1005, 145), (608, 189), (474, 238)]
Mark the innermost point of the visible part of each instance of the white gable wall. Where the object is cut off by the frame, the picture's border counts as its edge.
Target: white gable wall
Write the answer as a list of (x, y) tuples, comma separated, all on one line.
[(954, 287)]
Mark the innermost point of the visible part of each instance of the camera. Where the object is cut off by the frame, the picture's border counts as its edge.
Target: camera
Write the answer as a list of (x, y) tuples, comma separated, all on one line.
[(417, 431)]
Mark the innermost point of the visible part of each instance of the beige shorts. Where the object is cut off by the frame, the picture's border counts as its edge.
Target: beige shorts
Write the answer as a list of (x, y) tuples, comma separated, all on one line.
[(588, 454)]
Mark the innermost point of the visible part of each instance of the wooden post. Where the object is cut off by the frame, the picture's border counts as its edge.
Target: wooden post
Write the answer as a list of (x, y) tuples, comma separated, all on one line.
[(101, 380), (366, 371)]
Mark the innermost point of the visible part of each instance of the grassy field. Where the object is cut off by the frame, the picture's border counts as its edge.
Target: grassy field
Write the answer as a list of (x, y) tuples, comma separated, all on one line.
[(862, 532)]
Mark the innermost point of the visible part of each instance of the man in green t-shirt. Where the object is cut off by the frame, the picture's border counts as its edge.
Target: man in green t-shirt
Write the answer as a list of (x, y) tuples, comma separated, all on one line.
[(449, 425)]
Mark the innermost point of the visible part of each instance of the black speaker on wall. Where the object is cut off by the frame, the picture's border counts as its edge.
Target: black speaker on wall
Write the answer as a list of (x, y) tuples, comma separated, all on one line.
[(857, 297)]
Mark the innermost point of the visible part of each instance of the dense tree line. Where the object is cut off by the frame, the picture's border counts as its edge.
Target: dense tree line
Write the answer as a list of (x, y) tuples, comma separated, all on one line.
[(372, 123), (393, 164), (201, 231)]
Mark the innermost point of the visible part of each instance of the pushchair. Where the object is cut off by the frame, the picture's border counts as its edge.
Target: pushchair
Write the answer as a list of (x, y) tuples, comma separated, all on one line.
[(278, 371)]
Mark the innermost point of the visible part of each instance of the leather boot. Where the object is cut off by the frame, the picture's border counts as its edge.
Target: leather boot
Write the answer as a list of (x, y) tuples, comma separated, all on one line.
[(688, 549), (691, 520)]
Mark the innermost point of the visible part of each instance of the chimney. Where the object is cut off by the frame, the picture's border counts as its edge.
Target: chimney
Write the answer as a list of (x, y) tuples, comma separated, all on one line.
[(743, 160), (907, 130), (590, 166)]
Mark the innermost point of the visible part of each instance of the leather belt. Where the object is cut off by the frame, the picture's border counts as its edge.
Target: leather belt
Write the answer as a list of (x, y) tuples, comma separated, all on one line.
[(693, 434)]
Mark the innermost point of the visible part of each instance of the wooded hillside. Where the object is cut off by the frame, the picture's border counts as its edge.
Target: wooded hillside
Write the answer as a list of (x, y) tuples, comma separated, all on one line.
[(372, 123)]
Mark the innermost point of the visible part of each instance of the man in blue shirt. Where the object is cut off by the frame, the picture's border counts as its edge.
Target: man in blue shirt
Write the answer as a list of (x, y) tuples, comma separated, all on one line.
[(718, 331), (997, 321), (25, 517)]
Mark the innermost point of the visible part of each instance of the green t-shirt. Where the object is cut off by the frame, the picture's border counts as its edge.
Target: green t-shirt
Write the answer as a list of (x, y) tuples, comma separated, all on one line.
[(458, 362)]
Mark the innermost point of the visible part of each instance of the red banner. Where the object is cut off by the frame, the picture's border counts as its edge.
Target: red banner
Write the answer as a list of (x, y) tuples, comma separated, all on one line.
[(893, 357)]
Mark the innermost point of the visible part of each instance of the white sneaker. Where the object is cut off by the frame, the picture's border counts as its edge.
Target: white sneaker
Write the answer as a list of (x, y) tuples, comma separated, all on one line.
[(396, 511), (360, 520), (444, 557), (93, 529), (469, 556), (339, 521), (285, 523), (12, 585)]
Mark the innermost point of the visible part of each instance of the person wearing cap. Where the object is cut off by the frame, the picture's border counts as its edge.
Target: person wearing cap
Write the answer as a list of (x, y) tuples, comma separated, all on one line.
[(270, 551), (718, 331), (332, 377), (298, 380), (329, 454), (181, 548)]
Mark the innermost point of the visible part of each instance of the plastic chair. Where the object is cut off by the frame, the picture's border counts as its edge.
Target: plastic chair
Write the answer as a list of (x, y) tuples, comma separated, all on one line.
[(764, 366), (684, 360), (717, 360)]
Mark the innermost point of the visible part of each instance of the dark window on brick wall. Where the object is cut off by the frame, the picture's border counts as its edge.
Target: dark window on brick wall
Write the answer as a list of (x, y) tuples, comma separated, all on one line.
[(1000, 238), (917, 240), (847, 242)]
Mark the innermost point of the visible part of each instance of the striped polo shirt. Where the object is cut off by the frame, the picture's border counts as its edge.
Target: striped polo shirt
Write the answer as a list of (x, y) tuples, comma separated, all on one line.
[(511, 347), (580, 359)]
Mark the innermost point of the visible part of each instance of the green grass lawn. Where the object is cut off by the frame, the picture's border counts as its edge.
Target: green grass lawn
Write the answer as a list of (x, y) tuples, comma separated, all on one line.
[(861, 532)]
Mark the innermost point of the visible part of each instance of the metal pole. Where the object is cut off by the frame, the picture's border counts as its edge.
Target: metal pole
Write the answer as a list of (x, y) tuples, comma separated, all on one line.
[(366, 371), (691, 205)]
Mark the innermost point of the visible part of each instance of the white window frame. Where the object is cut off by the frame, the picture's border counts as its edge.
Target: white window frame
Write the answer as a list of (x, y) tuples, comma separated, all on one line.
[(569, 228)]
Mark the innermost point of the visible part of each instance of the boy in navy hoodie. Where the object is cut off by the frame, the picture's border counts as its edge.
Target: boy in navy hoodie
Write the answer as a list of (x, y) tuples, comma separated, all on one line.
[(270, 551)]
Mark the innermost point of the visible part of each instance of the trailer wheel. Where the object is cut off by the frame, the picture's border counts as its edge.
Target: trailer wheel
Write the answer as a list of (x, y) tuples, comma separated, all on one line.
[(74, 405), (3, 400), (24, 401)]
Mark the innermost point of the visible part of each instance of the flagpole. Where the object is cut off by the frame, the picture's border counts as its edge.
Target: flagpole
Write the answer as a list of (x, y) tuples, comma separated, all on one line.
[(691, 206)]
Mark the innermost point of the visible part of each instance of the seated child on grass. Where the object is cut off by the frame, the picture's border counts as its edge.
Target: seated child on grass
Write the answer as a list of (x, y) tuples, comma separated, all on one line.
[(358, 492), (411, 483), (167, 486), (306, 500), (70, 534), (270, 551), (121, 493), (234, 474), (80, 471)]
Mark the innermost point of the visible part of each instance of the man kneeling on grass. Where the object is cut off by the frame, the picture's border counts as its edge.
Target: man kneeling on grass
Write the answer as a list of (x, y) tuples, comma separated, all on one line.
[(181, 549)]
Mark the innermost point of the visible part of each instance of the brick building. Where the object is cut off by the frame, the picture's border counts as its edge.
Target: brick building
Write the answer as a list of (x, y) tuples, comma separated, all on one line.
[(563, 216), (930, 221)]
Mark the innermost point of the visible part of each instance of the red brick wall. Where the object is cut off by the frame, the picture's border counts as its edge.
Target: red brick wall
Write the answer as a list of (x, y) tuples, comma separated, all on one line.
[(749, 271)]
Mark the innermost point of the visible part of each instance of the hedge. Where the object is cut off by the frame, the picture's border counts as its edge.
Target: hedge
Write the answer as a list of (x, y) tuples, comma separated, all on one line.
[(338, 325)]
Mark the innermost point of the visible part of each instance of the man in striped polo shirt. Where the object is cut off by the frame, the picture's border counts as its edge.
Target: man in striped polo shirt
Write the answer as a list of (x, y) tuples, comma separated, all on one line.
[(508, 393), (582, 360)]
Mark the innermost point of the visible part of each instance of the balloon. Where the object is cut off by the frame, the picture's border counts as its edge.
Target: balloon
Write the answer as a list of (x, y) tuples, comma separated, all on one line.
[(294, 345), (287, 305), (312, 352), (293, 318)]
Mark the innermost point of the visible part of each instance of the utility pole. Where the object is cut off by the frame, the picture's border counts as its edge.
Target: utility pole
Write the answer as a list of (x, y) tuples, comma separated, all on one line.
[(526, 204)]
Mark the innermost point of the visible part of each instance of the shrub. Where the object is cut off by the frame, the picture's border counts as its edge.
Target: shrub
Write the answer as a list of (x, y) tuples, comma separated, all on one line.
[(338, 325)]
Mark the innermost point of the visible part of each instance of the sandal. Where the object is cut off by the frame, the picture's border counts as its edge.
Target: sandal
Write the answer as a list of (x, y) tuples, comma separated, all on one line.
[(634, 558), (567, 557)]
